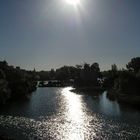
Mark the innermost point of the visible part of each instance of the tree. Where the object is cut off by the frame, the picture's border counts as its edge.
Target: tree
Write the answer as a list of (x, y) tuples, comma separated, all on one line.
[(85, 74), (114, 67), (2, 74), (52, 74), (134, 65), (95, 67), (88, 75), (4, 89)]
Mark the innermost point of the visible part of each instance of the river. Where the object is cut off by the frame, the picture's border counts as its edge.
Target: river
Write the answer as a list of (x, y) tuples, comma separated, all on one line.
[(59, 114)]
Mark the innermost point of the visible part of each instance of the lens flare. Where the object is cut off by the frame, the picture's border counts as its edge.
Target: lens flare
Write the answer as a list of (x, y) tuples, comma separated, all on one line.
[(73, 2)]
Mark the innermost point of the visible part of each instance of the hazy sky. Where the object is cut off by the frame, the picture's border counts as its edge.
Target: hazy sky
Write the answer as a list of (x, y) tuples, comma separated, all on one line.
[(51, 33)]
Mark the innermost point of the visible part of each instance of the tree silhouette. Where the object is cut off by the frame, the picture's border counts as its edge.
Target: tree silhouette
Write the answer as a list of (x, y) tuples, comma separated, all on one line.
[(134, 65)]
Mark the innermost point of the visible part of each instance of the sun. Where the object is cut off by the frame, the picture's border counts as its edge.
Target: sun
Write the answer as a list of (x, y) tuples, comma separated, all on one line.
[(73, 2)]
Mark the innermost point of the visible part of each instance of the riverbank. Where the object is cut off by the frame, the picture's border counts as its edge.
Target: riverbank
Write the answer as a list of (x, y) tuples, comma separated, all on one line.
[(126, 99), (88, 90), (4, 137), (15, 83)]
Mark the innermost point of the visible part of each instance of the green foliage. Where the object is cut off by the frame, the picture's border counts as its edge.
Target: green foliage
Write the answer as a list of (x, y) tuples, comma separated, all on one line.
[(2, 74), (114, 67), (124, 81), (5, 92), (110, 76), (88, 75), (15, 83), (83, 75), (134, 65)]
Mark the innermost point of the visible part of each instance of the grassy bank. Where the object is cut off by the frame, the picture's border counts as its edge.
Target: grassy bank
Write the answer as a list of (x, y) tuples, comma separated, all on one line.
[(89, 90), (127, 99), (3, 137)]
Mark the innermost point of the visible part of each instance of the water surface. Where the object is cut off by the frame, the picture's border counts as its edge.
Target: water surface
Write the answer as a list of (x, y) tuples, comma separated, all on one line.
[(59, 114)]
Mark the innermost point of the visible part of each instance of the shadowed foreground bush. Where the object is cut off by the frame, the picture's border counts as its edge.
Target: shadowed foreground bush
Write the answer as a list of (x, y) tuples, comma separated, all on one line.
[(15, 83)]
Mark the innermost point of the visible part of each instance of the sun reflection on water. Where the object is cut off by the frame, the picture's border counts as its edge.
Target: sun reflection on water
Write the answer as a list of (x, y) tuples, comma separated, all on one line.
[(73, 106), (72, 121), (74, 114)]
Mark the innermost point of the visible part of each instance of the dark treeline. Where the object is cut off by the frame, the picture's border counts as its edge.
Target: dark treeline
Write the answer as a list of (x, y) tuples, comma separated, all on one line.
[(86, 75), (15, 83), (127, 80), (83, 75), (122, 85)]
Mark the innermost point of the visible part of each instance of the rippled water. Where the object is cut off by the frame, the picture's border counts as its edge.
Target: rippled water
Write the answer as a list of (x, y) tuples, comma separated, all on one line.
[(59, 114)]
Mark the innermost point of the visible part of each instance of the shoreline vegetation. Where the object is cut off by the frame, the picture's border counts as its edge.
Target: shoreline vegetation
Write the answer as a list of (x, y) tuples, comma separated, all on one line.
[(125, 99), (15, 83), (4, 137), (122, 85), (89, 90)]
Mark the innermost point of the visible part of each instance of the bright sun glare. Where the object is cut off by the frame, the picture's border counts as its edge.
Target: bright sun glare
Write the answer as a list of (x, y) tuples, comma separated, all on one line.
[(73, 2)]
